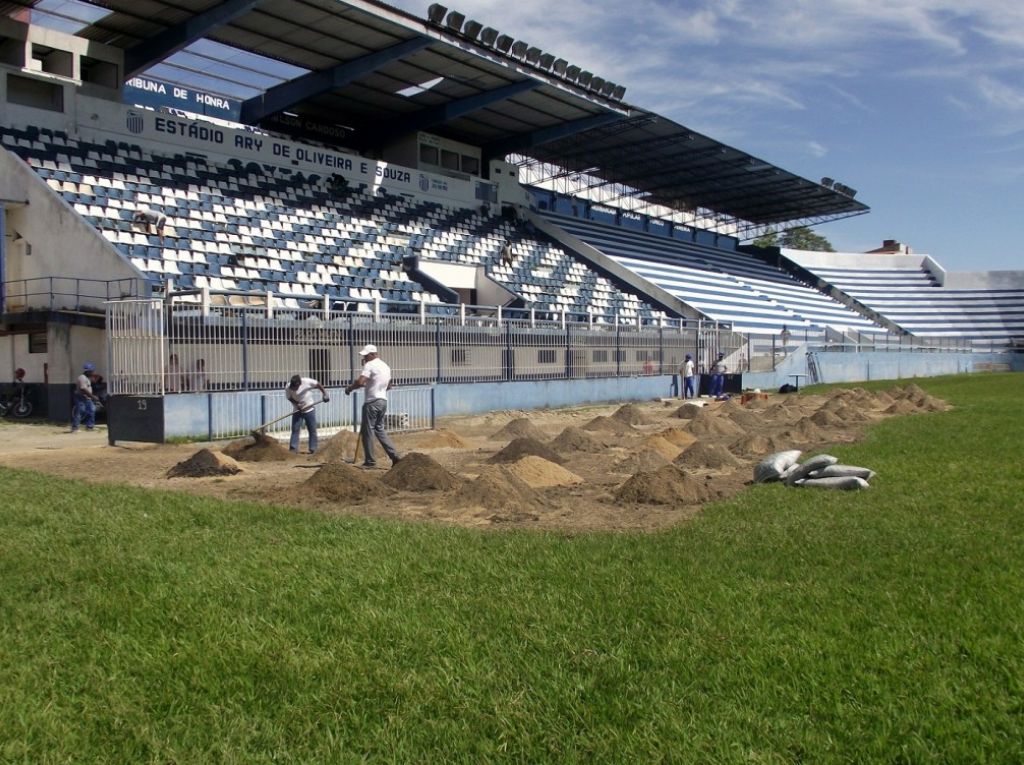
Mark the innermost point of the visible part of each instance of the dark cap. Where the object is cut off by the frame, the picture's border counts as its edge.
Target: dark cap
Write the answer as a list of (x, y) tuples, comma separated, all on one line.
[(295, 382)]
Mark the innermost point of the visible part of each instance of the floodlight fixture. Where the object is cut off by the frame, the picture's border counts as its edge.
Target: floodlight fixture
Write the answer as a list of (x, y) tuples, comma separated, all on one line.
[(455, 21), (618, 92), (533, 55), (572, 73), (518, 49), (472, 29), (607, 88), (435, 13), (827, 182), (559, 67), (546, 60), (488, 36), (585, 78), (503, 43), (596, 84)]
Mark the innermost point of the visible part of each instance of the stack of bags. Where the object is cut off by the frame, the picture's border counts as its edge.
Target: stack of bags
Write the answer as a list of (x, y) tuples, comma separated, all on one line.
[(821, 471)]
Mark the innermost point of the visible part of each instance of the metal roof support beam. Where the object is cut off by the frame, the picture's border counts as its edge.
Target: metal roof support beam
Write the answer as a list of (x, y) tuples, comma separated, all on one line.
[(544, 135), (287, 94), (438, 115), (155, 49)]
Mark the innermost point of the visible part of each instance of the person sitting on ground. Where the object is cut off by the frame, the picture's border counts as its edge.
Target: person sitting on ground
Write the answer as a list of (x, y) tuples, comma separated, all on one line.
[(300, 393), (376, 378)]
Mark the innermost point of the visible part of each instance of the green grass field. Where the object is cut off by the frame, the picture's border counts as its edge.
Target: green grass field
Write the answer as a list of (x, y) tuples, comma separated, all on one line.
[(783, 626)]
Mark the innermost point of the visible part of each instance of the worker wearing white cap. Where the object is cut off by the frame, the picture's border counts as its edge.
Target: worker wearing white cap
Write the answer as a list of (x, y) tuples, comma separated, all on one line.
[(376, 379)]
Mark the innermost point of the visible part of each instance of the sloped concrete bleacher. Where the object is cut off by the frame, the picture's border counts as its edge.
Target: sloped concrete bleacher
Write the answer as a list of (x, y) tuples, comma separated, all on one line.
[(904, 289), (237, 227), (726, 286)]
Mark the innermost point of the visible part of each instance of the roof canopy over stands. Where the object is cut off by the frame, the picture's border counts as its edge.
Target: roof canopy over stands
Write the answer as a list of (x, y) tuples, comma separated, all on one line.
[(385, 73)]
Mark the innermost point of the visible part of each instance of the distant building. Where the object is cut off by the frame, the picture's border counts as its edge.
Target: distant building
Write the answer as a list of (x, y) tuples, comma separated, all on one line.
[(892, 247)]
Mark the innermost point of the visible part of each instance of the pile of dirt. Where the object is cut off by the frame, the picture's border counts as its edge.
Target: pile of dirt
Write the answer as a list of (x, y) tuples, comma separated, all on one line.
[(431, 439), (496, 488), (525, 447), (602, 424), (680, 438), (261, 448), (663, 447), (538, 473), (704, 455), (419, 472), (339, 447), (747, 420), (576, 440), (826, 418), (758, 403), (712, 425), (645, 460), (901, 406), (932, 404), (756, 445), (882, 399), (807, 429), (630, 414), (521, 427), (667, 486), (339, 482), (204, 463), (688, 411)]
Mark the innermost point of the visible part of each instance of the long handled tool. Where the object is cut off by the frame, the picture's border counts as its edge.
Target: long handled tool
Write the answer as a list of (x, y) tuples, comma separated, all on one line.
[(261, 432)]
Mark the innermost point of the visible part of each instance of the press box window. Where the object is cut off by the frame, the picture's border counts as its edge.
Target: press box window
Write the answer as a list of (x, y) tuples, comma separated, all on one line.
[(459, 357), (599, 357), (428, 154), (449, 159), (37, 342), (470, 165), (546, 356), (26, 91)]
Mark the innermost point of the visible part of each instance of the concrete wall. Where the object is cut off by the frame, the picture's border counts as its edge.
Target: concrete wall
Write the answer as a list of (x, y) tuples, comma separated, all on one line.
[(56, 240), (876, 365)]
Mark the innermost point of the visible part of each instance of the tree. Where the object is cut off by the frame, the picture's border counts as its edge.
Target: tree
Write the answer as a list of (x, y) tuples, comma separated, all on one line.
[(797, 238)]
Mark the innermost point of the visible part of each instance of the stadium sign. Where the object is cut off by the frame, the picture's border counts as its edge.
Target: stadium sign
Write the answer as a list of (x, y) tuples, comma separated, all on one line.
[(146, 91)]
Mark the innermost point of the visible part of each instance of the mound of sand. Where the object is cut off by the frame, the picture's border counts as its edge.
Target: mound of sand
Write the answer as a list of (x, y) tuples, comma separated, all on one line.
[(496, 488), (679, 437), (757, 445), (901, 406), (339, 447), (418, 472), (703, 455), (204, 463), (525, 447), (758, 403), (932, 404), (663, 447), (809, 430), (666, 486), (259, 449), (602, 424), (826, 418), (538, 473), (630, 414), (429, 439), (339, 482), (645, 460), (688, 411), (714, 426), (747, 420), (521, 427), (574, 439)]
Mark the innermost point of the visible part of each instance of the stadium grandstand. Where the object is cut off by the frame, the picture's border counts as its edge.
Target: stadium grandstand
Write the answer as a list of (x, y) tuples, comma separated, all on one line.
[(206, 198)]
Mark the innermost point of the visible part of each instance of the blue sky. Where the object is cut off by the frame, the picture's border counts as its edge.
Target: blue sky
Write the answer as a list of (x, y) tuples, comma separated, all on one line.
[(917, 104)]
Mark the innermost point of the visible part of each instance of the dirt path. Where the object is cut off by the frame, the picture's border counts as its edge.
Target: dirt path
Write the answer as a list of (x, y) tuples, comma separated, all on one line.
[(559, 469)]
